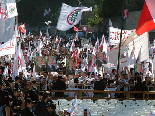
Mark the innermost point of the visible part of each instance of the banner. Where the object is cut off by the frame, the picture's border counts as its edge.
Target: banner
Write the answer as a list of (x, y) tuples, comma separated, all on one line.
[(12, 10), (8, 47), (114, 35), (70, 16), (134, 44)]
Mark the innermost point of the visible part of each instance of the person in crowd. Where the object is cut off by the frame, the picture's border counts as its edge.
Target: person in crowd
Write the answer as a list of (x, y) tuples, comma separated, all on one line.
[(136, 76), (27, 111), (139, 86), (51, 109), (85, 112), (1, 68), (54, 79), (66, 112), (17, 83), (83, 77), (5, 99), (113, 73), (99, 85), (40, 108), (18, 102), (9, 85), (30, 92), (91, 80), (43, 84), (3, 95), (147, 81), (35, 86), (59, 85), (60, 71)]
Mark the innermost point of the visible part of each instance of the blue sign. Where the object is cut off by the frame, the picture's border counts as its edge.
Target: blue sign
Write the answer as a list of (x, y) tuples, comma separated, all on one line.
[(80, 33)]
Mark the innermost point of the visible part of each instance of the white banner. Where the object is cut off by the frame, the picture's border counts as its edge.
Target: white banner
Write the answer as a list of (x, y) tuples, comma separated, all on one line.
[(8, 47), (12, 10), (114, 35), (134, 44), (70, 16)]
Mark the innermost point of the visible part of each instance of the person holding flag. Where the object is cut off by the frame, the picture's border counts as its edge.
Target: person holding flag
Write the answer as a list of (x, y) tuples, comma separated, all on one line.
[(86, 111)]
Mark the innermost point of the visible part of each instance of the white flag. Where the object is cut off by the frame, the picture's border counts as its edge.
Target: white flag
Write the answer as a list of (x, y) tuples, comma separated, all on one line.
[(70, 16), (12, 10), (19, 62), (5, 73), (72, 110)]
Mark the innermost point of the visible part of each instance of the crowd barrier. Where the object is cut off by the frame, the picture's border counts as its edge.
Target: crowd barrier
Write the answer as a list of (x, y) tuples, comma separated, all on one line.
[(125, 97)]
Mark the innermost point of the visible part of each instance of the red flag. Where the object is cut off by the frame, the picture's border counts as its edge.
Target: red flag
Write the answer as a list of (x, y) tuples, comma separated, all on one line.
[(77, 56), (146, 20), (22, 28), (57, 40), (75, 29), (125, 14)]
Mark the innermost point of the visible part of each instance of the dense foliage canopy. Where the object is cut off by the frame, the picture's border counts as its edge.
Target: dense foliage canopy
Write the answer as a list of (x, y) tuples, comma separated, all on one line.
[(31, 11)]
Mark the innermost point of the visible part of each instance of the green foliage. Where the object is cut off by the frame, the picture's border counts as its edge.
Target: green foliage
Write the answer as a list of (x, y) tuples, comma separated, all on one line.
[(111, 8), (96, 18), (134, 5), (31, 11)]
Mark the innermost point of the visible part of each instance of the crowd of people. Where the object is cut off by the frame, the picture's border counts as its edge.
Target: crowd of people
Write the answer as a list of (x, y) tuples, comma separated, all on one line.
[(59, 66)]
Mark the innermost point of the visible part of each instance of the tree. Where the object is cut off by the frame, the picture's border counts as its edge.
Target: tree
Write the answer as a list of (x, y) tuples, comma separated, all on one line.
[(111, 8), (134, 5), (96, 18)]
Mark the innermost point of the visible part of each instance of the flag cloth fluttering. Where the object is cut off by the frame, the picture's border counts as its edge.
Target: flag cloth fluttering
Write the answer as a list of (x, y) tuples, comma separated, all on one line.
[(4, 13), (19, 62), (72, 46), (22, 28), (147, 17), (103, 45), (47, 12), (85, 29), (110, 25), (12, 10), (75, 28), (72, 110), (56, 40), (70, 16), (125, 14)]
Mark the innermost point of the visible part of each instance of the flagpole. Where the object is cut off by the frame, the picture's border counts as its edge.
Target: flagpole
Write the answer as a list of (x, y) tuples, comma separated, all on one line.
[(118, 63), (55, 31), (16, 16)]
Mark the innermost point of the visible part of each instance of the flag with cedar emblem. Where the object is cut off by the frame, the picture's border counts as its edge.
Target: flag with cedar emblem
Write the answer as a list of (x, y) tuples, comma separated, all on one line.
[(12, 10), (22, 28), (70, 16)]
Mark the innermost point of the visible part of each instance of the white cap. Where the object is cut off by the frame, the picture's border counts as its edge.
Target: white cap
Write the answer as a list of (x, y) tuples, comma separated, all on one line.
[(63, 76), (107, 76)]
